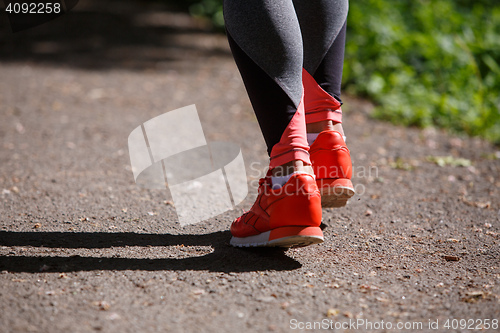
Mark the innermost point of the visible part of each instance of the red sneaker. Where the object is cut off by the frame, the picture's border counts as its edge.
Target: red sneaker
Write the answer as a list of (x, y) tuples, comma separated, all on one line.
[(285, 217), (331, 162)]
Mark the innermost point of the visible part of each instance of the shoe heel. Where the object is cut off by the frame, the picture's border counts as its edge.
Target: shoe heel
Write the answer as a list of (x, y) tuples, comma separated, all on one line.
[(335, 163), (330, 156), (335, 192), (301, 208), (295, 236)]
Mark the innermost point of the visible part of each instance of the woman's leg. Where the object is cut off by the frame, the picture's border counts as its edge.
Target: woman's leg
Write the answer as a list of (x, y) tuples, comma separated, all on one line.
[(266, 39), (324, 44), (329, 72), (329, 77), (323, 27), (266, 42)]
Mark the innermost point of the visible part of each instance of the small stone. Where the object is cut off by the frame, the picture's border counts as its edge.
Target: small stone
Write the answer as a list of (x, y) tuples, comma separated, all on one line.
[(473, 296), (265, 299), (451, 258), (19, 280), (197, 292), (348, 314), (382, 300), (103, 305), (113, 316), (332, 313)]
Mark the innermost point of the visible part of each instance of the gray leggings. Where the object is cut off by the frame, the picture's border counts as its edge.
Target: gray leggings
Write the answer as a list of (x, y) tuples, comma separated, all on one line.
[(273, 40)]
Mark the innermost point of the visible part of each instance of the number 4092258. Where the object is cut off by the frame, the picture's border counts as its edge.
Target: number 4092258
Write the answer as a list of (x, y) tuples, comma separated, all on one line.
[(33, 8)]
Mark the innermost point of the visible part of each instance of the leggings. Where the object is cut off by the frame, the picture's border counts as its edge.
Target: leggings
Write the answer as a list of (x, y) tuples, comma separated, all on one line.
[(290, 56)]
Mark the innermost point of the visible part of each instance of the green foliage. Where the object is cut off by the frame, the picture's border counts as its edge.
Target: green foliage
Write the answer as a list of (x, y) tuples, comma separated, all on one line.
[(428, 62), (449, 160), (423, 62)]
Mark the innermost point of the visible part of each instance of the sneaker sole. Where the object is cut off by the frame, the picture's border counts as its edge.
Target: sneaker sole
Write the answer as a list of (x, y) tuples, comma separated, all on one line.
[(335, 192), (282, 237)]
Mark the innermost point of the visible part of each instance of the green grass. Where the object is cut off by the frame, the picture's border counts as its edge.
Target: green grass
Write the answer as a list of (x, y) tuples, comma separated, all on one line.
[(428, 62)]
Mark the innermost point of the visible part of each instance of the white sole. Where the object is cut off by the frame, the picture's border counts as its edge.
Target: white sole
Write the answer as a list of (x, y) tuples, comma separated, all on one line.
[(262, 240)]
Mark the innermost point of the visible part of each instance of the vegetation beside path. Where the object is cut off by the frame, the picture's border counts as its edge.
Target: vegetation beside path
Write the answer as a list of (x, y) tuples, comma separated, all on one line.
[(424, 62)]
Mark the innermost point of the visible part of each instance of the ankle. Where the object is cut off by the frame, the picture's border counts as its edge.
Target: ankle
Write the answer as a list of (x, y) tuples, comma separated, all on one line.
[(291, 167), (325, 125)]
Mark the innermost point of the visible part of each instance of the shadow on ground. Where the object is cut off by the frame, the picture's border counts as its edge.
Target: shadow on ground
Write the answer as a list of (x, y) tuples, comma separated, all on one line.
[(135, 35), (224, 258)]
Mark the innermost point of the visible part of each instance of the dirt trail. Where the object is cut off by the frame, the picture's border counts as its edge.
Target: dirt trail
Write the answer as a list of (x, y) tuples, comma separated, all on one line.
[(83, 249)]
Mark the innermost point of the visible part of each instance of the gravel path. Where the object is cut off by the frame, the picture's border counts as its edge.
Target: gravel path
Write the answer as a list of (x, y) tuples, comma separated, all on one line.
[(83, 249)]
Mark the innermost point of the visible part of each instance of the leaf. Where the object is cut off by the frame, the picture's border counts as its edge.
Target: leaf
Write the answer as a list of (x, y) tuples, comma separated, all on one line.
[(449, 160)]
